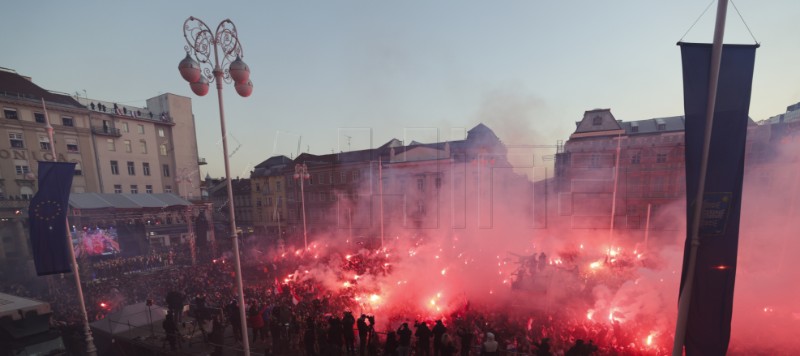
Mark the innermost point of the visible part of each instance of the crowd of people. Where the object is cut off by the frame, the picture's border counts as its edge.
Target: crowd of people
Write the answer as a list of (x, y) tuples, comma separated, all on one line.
[(303, 318)]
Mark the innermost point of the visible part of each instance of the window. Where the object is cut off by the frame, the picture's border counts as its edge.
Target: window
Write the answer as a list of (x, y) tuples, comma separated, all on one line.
[(110, 143), (661, 158), (662, 127), (128, 147), (597, 121), (44, 143), (114, 168), (16, 140), (131, 169), (39, 117), (438, 182), (146, 168), (167, 189), (162, 149), (143, 145), (117, 188), (269, 201), (634, 128), (258, 202), (72, 145), (356, 175), (594, 161), (26, 193), (21, 167), (277, 186), (148, 189), (165, 170), (636, 158), (67, 121), (160, 132), (141, 129), (342, 177), (134, 189), (420, 207), (125, 127), (78, 169), (10, 113), (421, 184)]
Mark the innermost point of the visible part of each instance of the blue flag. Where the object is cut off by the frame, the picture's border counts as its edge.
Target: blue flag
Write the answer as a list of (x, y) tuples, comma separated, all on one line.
[(709, 324), (47, 215)]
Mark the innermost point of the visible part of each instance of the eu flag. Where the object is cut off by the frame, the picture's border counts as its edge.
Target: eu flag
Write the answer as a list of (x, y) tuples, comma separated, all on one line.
[(47, 215), (709, 322)]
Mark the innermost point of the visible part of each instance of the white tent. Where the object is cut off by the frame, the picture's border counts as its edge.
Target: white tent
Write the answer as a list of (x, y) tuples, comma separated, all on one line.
[(130, 317)]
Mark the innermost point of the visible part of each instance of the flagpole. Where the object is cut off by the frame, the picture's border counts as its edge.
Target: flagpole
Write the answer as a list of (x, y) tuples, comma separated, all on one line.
[(686, 294), (614, 196), (380, 182), (647, 227), (91, 350)]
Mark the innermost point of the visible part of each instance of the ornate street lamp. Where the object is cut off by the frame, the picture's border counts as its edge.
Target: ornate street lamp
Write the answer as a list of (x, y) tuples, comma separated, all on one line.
[(217, 57), (301, 174)]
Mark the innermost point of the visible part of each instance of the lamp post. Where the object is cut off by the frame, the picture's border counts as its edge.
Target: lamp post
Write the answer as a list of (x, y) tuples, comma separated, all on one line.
[(220, 54), (301, 173)]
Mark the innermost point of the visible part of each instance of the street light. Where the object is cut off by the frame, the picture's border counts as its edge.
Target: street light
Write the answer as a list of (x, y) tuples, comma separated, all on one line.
[(201, 41), (301, 173)]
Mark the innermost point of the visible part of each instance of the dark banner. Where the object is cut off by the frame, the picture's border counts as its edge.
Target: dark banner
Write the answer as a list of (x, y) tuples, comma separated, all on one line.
[(709, 324), (47, 215)]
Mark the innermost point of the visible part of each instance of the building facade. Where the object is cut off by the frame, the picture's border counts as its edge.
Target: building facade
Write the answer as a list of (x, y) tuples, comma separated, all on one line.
[(268, 185), (614, 174), (136, 150), (116, 148)]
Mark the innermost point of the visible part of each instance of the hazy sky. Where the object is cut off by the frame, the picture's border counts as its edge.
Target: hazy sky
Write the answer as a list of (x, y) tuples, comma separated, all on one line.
[(412, 70)]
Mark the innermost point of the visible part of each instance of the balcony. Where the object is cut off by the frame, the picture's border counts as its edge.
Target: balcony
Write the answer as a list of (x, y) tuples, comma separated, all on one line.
[(201, 161), (106, 131)]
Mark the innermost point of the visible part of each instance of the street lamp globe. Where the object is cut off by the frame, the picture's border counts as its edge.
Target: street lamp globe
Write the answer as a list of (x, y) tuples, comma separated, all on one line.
[(239, 71), (244, 89), (200, 86), (190, 69)]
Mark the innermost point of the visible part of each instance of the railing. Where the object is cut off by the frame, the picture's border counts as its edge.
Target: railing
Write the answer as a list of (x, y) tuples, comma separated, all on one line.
[(201, 161), (107, 131)]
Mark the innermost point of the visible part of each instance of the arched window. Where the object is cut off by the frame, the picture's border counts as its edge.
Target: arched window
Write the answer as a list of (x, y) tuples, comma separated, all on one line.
[(162, 149)]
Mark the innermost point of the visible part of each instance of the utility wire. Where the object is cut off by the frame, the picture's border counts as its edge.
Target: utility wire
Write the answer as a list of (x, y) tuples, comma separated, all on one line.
[(695, 21), (744, 22)]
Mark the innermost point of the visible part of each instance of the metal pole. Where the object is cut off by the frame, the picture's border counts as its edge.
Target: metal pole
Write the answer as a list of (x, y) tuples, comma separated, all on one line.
[(380, 183), (231, 212), (304, 172), (614, 196), (647, 227), (686, 295), (91, 350), (189, 214)]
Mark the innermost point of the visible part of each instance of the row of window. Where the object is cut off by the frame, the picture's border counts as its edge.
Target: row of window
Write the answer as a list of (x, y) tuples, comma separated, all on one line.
[(266, 187), (16, 140), (22, 168), (10, 113), (112, 146), (328, 178), (139, 128), (132, 168), (148, 189)]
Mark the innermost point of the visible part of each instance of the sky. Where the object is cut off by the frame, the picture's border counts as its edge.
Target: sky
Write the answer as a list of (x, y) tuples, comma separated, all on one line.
[(334, 76)]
